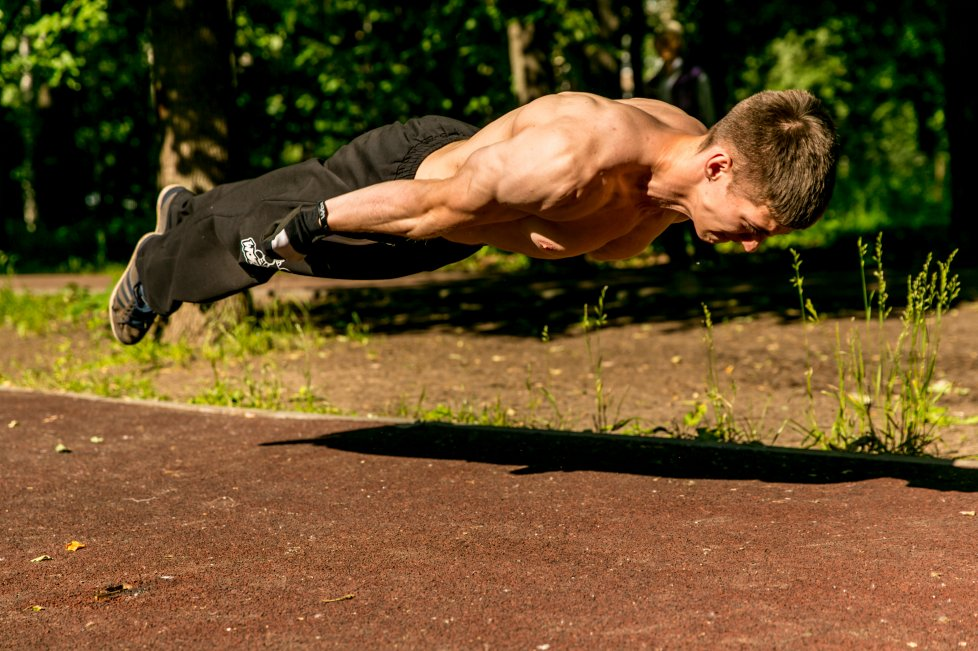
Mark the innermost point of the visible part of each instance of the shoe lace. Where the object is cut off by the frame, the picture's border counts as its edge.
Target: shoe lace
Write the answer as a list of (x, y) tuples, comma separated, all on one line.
[(140, 314)]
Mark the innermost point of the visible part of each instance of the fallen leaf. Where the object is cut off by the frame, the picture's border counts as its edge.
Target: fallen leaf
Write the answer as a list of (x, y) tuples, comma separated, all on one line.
[(37, 609), (96, 439), (45, 557), (74, 546), (335, 599), (51, 419), (12, 424), (61, 448), (971, 513)]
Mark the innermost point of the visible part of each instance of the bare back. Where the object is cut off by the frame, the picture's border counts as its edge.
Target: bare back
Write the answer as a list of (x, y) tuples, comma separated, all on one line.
[(569, 175)]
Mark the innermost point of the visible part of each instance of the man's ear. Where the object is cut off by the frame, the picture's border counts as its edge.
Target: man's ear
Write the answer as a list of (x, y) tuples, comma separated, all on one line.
[(717, 164)]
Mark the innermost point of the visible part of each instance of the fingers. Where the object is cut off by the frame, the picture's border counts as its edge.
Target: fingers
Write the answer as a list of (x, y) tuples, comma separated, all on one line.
[(282, 248)]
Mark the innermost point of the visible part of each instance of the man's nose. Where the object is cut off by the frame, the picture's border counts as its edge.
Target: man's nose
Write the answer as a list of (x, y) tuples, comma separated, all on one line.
[(750, 246)]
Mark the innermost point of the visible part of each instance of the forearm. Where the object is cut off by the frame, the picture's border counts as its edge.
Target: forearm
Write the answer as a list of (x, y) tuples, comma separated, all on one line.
[(398, 208), (413, 209)]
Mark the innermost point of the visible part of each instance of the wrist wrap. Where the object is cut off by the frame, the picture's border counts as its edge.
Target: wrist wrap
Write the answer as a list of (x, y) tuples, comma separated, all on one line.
[(294, 239)]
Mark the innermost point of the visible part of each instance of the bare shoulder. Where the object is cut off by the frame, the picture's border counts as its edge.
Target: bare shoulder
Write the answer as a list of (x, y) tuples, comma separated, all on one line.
[(582, 131), (615, 122), (574, 109), (669, 115), (574, 112), (585, 108)]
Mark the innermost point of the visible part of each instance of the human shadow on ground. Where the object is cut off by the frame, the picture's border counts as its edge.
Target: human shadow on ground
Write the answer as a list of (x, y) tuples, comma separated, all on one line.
[(553, 295), (542, 451)]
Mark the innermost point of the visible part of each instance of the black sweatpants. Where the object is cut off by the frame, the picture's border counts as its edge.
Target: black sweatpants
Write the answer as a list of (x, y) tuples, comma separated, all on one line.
[(214, 249)]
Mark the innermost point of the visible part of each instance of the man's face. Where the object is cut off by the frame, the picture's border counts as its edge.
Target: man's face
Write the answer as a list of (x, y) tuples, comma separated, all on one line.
[(668, 46), (725, 216)]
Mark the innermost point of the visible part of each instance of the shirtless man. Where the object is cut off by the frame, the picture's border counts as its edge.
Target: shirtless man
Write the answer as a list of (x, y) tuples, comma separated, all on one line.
[(564, 175)]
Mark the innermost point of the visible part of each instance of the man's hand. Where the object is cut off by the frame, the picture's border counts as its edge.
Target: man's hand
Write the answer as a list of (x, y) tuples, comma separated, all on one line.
[(295, 236)]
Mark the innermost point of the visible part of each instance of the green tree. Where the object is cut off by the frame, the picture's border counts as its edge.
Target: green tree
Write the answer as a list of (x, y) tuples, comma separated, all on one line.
[(314, 75), (877, 64), (77, 135)]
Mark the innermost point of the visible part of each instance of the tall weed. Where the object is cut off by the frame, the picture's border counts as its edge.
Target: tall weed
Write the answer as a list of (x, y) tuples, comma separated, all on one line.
[(606, 417), (886, 392), (716, 419)]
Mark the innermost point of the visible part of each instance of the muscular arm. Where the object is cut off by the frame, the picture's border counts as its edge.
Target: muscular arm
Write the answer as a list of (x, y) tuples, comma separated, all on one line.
[(529, 173)]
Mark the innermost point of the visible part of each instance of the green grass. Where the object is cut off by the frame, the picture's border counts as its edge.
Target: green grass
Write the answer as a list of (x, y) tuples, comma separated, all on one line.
[(86, 359), (886, 391), (494, 414), (47, 313), (607, 414), (716, 419)]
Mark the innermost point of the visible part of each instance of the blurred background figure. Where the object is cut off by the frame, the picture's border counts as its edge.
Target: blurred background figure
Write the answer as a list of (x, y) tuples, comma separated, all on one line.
[(681, 82)]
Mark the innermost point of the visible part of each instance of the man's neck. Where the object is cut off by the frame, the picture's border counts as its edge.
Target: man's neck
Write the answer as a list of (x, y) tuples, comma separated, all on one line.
[(676, 174)]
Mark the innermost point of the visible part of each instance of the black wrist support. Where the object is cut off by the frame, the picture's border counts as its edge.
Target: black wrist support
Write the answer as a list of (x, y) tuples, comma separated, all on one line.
[(294, 238), (308, 224)]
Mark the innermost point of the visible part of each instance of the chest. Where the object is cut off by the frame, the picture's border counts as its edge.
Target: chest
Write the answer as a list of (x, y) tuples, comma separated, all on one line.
[(606, 198)]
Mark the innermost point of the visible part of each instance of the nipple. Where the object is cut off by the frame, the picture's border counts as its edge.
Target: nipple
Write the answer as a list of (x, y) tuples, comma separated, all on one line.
[(545, 243)]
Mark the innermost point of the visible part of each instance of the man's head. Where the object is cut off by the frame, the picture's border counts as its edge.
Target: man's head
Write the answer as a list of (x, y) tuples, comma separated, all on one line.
[(784, 151), (669, 41)]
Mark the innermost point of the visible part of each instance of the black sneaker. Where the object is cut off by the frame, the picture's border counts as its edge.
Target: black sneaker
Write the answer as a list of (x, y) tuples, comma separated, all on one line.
[(131, 317)]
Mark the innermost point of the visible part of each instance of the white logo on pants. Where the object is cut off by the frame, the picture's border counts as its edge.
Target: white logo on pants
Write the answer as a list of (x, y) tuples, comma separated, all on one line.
[(253, 255)]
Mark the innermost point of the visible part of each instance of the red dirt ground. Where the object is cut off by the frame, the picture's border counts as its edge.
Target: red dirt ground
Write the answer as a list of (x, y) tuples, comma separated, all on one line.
[(245, 530)]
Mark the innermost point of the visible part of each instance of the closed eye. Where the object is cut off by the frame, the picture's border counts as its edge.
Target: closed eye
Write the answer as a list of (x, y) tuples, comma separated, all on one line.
[(756, 231)]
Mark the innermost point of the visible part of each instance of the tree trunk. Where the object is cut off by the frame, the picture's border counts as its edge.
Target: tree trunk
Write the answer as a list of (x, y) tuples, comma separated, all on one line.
[(192, 83), (636, 28), (603, 74), (193, 89), (960, 114), (713, 23), (529, 60)]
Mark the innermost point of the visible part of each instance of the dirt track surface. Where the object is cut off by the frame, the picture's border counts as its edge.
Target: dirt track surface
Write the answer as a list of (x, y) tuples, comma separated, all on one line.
[(471, 345), (228, 529)]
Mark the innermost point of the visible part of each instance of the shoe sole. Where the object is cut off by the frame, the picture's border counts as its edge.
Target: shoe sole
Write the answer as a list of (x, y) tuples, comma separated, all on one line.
[(118, 285)]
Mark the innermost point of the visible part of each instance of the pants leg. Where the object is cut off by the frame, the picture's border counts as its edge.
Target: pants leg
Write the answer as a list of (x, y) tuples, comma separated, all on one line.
[(213, 251)]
